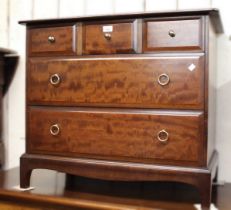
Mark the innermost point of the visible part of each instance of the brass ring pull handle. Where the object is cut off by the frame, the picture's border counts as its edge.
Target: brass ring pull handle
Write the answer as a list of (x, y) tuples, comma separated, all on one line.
[(54, 130), (55, 79), (172, 33), (51, 39), (162, 136), (163, 79), (107, 36)]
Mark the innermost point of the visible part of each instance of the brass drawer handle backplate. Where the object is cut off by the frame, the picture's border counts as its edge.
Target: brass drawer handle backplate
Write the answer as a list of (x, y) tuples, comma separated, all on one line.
[(54, 130)]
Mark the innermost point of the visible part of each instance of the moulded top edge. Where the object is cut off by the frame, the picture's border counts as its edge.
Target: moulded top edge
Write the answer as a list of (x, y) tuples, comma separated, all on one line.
[(212, 12)]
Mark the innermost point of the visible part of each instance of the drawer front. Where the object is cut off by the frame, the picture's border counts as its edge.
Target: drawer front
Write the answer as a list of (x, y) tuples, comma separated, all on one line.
[(53, 40), (108, 38), (166, 82), (173, 35), (116, 134)]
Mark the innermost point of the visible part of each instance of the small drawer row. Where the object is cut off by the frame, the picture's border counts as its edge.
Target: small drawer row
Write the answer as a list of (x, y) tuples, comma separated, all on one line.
[(143, 136), (112, 37), (136, 82)]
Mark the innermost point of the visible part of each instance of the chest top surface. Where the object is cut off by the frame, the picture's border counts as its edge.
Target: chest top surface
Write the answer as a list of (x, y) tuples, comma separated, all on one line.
[(213, 13)]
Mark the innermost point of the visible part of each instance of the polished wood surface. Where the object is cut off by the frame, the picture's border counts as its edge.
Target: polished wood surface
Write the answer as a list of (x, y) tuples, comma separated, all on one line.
[(210, 105), (120, 38), (212, 12), (182, 34), (95, 115), (119, 82), (112, 134), (54, 190), (123, 171), (64, 40)]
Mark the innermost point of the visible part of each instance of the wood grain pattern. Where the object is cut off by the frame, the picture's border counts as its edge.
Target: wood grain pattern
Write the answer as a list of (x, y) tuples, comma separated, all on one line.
[(28, 206), (65, 40), (114, 134), (121, 82), (188, 35), (108, 106), (121, 41)]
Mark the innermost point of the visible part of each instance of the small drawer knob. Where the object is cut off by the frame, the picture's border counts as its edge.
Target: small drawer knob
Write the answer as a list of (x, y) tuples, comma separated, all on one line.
[(163, 79), (107, 36), (54, 130), (172, 33), (55, 79), (51, 39), (162, 136)]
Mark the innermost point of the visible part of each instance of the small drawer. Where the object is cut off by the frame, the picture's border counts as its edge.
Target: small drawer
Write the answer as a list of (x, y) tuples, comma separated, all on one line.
[(167, 35), (109, 38), (53, 40), (144, 136)]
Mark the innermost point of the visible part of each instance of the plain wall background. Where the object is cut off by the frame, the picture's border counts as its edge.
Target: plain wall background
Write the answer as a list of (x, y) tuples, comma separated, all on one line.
[(12, 36)]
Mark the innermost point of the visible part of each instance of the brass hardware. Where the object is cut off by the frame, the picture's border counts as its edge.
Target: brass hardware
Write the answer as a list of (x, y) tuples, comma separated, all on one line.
[(107, 36), (162, 136), (172, 33), (55, 79), (163, 79), (51, 39), (54, 130)]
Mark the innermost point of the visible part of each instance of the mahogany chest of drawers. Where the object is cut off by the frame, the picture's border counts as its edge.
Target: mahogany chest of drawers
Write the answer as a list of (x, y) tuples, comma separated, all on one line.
[(123, 97)]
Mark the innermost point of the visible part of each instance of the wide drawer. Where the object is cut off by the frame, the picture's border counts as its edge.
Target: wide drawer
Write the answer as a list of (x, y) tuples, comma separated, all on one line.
[(52, 40), (109, 38), (155, 82), (168, 35), (145, 136)]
